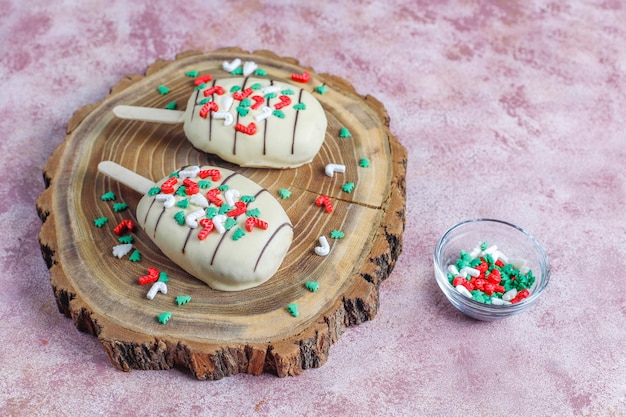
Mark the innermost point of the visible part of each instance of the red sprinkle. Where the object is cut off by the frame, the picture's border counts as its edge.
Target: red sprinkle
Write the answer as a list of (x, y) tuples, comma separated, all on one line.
[(240, 208), (168, 186), (191, 187), (284, 102), (253, 222), (211, 195), (258, 101), (240, 95), (207, 228), (153, 276), (217, 89), (248, 130), (301, 78), (324, 200), (520, 296), (123, 226), (215, 174), (210, 106), (201, 80)]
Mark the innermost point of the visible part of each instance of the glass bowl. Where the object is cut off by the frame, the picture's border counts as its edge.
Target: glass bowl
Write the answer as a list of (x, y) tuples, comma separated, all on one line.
[(513, 245)]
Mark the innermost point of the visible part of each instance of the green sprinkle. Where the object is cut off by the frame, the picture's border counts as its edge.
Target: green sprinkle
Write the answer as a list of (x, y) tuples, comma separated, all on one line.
[(204, 184), (287, 92), (348, 187), (238, 71), (256, 86), (344, 133), (269, 96), (125, 239), (172, 105), (223, 187), (154, 191), (243, 111), (180, 218), (337, 234), (300, 106), (253, 213), (163, 277), (100, 221), (321, 89), (247, 198), (183, 299), (230, 223), (364, 163), (284, 193), (204, 101), (246, 102), (192, 73), (211, 212), (108, 196), (135, 256), (117, 207), (163, 89), (483, 246), (173, 175), (238, 234), (181, 191), (200, 87), (279, 114), (293, 309), (235, 88), (225, 208), (312, 286), (184, 203), (164, 317), (260, 72)]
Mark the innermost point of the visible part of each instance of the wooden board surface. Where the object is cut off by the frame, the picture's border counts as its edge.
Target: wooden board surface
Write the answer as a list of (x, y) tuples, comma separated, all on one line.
[(222, 333)]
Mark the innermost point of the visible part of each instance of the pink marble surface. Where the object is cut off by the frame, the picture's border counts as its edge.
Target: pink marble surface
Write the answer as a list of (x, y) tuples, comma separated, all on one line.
[(508, 109)]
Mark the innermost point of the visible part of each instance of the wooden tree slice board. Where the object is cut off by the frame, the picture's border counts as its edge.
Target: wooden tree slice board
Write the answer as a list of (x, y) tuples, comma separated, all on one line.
[(222, 333)]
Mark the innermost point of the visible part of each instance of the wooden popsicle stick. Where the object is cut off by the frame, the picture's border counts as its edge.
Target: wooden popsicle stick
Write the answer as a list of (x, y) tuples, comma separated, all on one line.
[(125, 176), (149, 114)]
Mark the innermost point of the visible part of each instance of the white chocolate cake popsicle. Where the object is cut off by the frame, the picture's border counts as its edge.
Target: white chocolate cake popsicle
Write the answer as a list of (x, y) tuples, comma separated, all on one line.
[(248, 121), (216, 224)]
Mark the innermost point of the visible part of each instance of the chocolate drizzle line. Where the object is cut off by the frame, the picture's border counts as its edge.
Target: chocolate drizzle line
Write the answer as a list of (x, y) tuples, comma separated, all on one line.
[(187, 239), (211, 115), (295, 124), (243, 86), (195, 104), (265, 124), (268, 243)]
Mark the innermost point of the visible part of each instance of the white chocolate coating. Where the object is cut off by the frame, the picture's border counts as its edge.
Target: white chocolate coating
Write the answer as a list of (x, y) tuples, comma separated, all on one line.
[(286, 136), (220, 261)]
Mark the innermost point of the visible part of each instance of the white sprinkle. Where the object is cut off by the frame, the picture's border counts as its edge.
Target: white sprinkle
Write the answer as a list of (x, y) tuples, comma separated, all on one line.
[(502, 257), (499, 302), (168, 200), (461, 289), (465, 271), (228, 118), (218, 222), (332, 168), (230, 196), (120, 251), (192, 218), (226, 102), (510, 294), (158, 286), (476, 251), (324, 249), (270, 89), (249, 67), (452, 269), (231, 66), (267, 112), (490, 250), (199, 200), (189, 172)]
